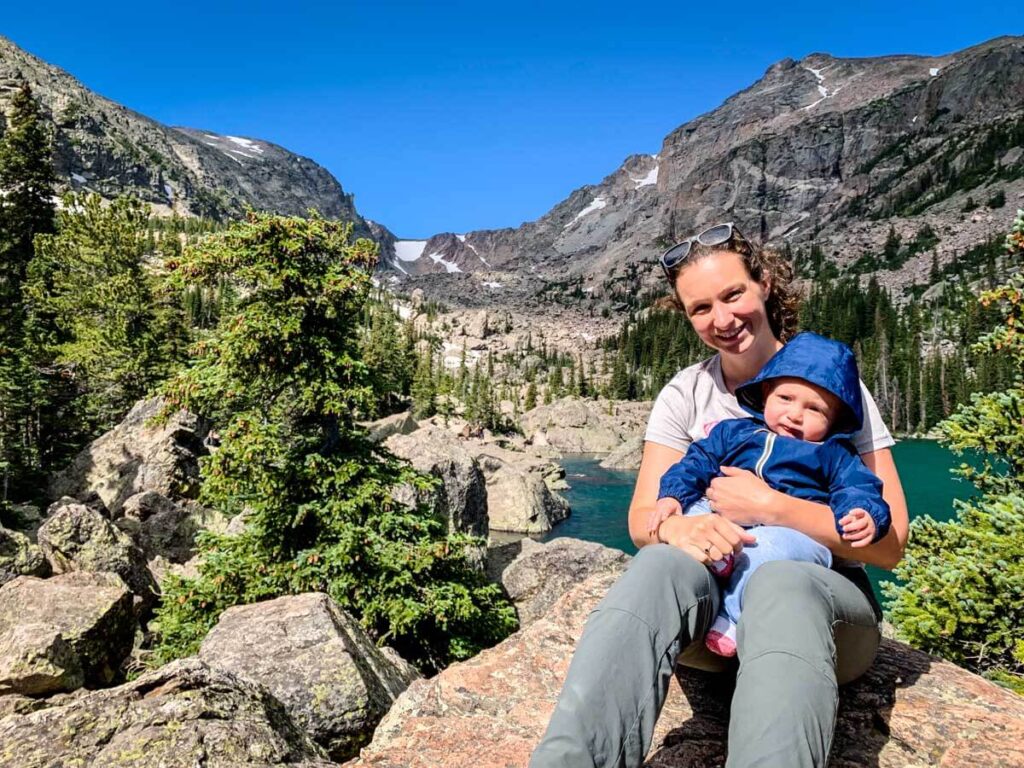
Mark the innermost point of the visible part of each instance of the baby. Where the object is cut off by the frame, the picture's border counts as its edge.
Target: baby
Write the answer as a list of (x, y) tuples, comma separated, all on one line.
[(806, 403)]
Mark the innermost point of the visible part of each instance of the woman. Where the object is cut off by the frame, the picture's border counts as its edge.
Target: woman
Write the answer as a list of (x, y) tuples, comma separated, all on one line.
[(805, 629)]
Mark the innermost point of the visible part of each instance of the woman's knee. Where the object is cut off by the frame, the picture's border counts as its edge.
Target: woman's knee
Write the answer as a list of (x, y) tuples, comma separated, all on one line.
[(786, 587), (659, 562), (661, 576)]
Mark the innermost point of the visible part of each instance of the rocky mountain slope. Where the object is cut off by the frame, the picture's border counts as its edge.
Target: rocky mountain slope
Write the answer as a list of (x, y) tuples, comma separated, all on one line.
[(104, 147), (822, 150)]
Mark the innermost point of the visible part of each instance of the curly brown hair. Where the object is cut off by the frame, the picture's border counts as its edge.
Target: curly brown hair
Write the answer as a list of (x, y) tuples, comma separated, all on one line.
[(782, 303)]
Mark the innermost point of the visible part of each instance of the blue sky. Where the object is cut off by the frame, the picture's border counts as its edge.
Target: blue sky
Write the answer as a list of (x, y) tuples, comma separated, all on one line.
[(447, 117)]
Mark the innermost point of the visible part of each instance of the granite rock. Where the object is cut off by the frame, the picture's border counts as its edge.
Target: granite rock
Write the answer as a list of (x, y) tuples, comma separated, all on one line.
[(316, 660), (626, 456), (137, 456), (182, 715), (20, 557), (910, 709), (61, 633), (76, 538), (461, 496), (518, 497), (542, 573)]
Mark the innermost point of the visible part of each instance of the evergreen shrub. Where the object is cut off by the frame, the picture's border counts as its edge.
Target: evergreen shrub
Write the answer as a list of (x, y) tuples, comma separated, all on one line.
[(962, 590), (282, 380)]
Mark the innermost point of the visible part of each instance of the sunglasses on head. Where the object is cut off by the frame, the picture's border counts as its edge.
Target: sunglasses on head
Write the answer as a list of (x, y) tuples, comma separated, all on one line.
[(719, 234)]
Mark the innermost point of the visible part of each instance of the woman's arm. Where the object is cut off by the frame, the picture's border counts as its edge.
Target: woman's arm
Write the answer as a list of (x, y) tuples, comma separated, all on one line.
[(655, 462), (691, 534), (744, 498)]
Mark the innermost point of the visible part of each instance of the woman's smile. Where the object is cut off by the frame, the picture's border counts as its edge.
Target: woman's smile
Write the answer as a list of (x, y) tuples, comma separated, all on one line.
[(732, 334)]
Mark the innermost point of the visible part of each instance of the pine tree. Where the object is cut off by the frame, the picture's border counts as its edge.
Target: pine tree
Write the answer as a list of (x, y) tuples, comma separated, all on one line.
[(424, 388), (282, 381), (27, 181), (531, 396), (961, 590), (115, 329), (387, 355), (891, 249)]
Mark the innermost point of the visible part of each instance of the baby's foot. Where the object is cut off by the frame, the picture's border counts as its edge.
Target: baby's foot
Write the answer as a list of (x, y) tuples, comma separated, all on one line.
[(723, 568), (721, 638)]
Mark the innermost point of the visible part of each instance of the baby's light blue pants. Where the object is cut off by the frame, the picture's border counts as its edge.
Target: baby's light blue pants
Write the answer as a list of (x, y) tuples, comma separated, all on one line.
[(773, 543)]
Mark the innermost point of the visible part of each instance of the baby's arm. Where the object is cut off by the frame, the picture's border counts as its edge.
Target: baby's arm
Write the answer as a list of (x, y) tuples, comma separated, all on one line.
[(687, 480), (855, 496)]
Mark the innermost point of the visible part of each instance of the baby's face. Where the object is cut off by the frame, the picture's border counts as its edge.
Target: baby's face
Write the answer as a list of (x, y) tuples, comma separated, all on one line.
[(797, 408)]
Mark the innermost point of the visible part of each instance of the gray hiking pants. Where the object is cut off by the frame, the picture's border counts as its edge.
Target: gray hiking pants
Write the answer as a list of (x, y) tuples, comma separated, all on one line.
[(804, 629)]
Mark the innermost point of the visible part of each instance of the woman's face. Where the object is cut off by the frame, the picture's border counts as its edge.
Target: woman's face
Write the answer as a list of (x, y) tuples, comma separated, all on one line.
[(724, 303)]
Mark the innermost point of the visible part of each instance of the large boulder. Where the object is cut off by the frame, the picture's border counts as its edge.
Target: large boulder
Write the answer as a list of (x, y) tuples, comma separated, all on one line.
[(163, 527), (518, 498), (575, 425), (399, 424), (182, 715), (462, 495), (542, 573), (20, 557), (135, 456), (910, 709), (316, 660), (61, 633), (626, 456), (77, 538)]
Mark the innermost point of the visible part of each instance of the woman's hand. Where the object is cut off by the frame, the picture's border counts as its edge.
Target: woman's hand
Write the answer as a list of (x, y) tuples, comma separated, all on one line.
[(665, 508), (743, 497), (705, 538)]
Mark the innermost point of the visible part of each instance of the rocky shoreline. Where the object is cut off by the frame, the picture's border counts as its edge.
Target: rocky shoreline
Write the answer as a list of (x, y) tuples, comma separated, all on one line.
[(295, 681)]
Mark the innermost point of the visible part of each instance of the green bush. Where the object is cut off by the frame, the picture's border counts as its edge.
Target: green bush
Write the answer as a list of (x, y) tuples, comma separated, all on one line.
[(282, 379), (962, 595)]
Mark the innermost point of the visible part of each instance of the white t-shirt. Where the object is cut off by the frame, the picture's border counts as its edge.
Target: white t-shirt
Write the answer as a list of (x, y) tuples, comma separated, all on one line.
[(696, 399)]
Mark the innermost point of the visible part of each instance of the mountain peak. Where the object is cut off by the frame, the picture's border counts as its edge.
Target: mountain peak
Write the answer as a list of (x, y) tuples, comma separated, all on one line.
[(101, 146)]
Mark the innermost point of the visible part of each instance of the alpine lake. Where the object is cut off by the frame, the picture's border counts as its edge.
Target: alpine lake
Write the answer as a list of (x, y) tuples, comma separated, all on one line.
[(600, 497)]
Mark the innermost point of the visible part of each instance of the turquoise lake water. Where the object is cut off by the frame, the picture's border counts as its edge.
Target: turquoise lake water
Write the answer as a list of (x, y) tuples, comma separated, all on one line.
[(600, 497)]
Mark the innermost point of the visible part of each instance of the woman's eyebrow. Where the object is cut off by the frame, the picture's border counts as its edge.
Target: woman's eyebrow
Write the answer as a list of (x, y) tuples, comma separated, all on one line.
[(730, 288)]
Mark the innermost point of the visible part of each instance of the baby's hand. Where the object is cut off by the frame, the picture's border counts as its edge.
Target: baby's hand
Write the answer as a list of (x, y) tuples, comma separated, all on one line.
[(664, 509), (858, 528)]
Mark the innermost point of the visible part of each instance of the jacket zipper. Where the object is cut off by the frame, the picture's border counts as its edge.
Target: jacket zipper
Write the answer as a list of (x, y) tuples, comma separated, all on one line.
[(769, 443)]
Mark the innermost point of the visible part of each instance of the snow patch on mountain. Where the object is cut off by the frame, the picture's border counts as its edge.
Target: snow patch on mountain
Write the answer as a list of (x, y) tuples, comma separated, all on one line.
[(438, 258), (595, 205), (822, 90), (648, 180), (462, 239), (409, 250), (237, 147), (248, 144), (933, 71)]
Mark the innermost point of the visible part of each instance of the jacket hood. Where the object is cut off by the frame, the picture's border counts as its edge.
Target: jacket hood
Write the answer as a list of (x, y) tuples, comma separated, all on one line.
[(827, 363)]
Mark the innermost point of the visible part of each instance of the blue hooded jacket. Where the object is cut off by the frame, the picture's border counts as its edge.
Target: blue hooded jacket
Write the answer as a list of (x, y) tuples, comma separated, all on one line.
[(829, 472)]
